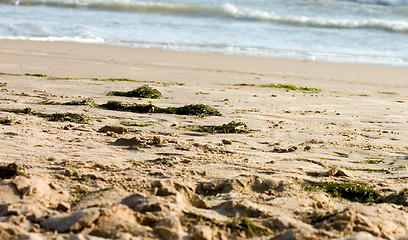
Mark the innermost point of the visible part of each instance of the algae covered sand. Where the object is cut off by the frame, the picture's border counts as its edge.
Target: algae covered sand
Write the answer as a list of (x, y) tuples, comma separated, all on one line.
[(281, 164), (144, 91), (200, 110)]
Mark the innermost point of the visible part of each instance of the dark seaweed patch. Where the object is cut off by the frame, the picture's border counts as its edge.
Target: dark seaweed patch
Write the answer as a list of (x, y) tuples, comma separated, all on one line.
[(293, 87), (134, 124), (84, 102), (246, 225), (117, 80), (18, 110), (144, 91), (350, 191), (237, 225), (66, 117), (287, 87), (7, 121), (56, 117), (118, 106), (36, 75), (311, 161), (358, 192), (231, 127), (193, 109), (9, 171)]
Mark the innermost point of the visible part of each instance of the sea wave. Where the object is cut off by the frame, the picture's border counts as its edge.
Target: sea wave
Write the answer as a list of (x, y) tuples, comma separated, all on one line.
[(226, 10), (381, 2), (390, 25), (78, 39)]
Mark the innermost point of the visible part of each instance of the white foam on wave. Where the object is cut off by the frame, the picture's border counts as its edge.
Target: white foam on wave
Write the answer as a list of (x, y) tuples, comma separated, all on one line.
[(232, 11), (95, 40), (120, 5), (381, 2), (391, 25), (237, 50), (268, 52)]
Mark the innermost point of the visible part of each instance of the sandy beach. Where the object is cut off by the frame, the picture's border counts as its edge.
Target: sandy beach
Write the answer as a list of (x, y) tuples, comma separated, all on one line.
[(318, 150)]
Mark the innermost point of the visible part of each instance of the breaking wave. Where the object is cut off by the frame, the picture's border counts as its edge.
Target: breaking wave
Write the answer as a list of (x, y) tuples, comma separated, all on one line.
[(381, 2), (229, 11)]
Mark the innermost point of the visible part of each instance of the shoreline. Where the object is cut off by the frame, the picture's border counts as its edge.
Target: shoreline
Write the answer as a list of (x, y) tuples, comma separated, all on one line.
[(397, 63), (207, 61), (86, 170)]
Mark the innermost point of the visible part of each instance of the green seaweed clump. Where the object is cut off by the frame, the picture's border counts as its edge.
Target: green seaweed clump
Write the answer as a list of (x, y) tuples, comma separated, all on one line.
[(287, 87), (350, 191), (117, 80), (118, 106), (293, 87), (9, 171), (50, 102), (144, 91), (316, 217), (200, 110), (18, 110), (231, 127), (388, 93), (84, 102), (246, 225), (67, 117), (36, 75), (400, 198), (245, 85), (55, 117), (7, 121), (134, 124), (193, 109), (311, 161), (79, 192), (239, 225), (369, 170)]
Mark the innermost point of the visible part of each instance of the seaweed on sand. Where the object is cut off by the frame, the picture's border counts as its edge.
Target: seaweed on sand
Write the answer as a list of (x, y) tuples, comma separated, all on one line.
[(237, 225), (7, 121), (358, 192), (310, 161), (246, 225), (36, 75), (350, 191), (66, 117), (117, 80), (201, 110), (287, 87), (118, 106), (231, 127), (293, 87), (55, 117), (144, 91), (192, 109), (18, 110), (84, 102), (10, 170)]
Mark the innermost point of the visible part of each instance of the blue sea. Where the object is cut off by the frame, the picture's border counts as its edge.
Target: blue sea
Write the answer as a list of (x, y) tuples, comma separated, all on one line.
[(353, 31)]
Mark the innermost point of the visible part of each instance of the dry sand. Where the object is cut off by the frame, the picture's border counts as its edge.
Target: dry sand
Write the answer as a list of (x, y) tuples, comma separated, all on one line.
[(160, 179)]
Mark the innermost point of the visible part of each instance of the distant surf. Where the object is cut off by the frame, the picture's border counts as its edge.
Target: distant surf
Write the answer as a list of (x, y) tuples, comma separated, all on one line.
[(363, 31), (382, 2)]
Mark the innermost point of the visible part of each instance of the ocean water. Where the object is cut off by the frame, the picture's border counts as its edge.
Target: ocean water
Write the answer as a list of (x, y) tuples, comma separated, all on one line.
[(354, 31)]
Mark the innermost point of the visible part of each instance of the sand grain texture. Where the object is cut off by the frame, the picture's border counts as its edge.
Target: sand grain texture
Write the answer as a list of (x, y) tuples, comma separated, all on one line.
[(127, 175)]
